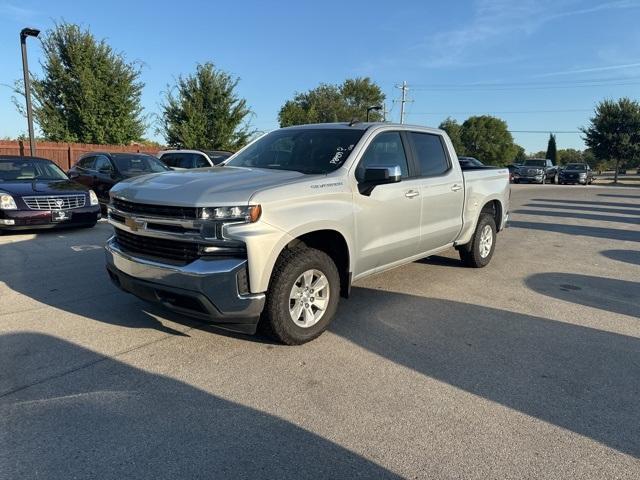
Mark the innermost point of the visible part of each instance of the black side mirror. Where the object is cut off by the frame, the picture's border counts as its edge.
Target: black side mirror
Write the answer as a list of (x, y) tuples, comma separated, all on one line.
[(379, 175)]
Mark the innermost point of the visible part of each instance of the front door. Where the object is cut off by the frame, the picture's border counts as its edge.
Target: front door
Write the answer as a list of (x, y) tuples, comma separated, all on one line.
[(387, 220)]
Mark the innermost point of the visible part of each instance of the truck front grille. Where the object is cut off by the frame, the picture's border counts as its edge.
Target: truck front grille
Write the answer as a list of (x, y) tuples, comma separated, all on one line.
[(55, 202), (183, 252), (144, 209)]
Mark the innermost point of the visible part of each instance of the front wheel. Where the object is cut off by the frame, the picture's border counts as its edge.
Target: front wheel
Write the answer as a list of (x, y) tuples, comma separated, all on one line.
[(303, 295), (478, 252)]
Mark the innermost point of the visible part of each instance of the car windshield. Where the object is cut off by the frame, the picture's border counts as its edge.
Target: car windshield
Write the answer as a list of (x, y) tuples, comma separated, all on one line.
[(27, 170), (305, 150), (133, 164), (535, 163), (576, 166)]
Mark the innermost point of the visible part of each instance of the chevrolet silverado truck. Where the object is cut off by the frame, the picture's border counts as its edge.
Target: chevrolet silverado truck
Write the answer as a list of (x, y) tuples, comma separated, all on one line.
[(278, 233)]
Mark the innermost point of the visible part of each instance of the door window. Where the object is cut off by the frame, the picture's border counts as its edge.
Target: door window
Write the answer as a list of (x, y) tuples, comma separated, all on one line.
[(386, 150), (103, 165), (432, 158), (86, 163)]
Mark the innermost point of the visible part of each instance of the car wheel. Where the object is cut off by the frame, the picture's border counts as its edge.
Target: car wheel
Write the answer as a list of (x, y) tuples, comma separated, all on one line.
[(555, 179), (302, 297), (478, 252)]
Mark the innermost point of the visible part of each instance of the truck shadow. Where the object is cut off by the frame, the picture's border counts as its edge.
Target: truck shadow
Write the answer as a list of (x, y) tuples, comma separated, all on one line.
[(106, 419), (627, 256), (609, 294), (586, 202), (582, 230), (582, 208), (583, 216), (581, 379)]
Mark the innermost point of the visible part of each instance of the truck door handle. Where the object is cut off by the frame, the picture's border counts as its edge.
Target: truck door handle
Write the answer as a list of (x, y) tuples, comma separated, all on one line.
[(455, 187), (412, 193)]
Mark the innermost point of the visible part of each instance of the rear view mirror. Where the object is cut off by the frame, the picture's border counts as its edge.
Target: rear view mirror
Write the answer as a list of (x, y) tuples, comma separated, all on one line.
[(379, 175)]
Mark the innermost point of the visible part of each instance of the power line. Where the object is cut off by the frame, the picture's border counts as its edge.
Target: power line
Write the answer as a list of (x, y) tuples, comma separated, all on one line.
[(525, 84), (544, 131), (502, 112)]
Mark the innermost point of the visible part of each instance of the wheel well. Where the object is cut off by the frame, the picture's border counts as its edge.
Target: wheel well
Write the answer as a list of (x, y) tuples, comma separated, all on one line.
[(494, 208), (333, 244)]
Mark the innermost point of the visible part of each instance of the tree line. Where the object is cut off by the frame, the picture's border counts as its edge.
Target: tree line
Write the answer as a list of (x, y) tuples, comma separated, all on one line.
[(90, 93)]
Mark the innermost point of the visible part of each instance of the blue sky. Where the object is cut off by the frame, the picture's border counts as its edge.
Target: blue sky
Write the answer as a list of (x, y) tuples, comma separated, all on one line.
[(538, 64)]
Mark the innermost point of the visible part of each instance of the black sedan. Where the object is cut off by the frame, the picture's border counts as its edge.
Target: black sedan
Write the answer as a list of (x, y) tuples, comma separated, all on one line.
[(576, 173), (35, 193), (102, 170)]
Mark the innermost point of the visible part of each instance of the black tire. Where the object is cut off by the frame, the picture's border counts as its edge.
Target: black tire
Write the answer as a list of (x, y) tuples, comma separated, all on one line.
[(276, 320), (90, 225), (555, 179), (470, 253)]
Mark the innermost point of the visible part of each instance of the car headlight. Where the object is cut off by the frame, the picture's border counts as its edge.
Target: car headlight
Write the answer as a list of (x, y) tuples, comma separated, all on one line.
[(7, 202), (245, 213), (93, 198)]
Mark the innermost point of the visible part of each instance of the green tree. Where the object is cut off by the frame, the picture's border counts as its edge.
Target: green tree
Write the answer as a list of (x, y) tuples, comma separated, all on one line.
[(552, 149), (333, 103), (614, 132), (88, 93), (488, 139), (569, 155), (454, 130), (202, 110), (520, 155)]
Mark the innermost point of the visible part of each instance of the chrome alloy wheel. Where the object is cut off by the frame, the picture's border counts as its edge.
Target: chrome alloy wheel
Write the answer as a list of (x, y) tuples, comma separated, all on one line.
[(486, 241), (309, 298)]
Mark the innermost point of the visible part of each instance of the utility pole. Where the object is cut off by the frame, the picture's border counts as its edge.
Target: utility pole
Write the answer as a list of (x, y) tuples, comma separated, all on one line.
[(384, 111), (404, 88)]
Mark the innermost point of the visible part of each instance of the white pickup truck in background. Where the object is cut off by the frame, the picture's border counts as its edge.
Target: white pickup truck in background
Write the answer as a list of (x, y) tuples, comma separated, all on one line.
[(280, 231)]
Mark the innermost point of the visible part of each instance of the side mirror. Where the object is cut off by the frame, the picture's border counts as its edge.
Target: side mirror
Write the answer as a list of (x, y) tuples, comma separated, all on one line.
[(379, 175)]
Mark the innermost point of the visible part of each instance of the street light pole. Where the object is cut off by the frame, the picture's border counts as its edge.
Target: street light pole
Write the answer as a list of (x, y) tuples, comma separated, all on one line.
[(376, 107), (24, 33)]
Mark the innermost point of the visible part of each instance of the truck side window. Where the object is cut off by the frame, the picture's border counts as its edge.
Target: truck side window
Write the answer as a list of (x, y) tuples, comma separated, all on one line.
[(431, 156), (102, 164), (385, 150)]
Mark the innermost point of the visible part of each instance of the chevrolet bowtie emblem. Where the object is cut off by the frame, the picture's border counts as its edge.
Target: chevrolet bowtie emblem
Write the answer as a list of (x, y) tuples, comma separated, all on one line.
[(133, 224)]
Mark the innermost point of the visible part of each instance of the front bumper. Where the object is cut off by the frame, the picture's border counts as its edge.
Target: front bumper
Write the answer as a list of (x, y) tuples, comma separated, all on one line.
[(206, 289), (28, 219), (536, 179)]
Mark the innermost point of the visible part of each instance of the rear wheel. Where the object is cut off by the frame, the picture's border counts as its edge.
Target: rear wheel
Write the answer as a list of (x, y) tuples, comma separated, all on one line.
[(478, 252), (303, 296)]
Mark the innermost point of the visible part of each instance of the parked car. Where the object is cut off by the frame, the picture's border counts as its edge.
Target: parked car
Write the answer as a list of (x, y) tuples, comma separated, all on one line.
[(36, 193), (102, 170), (470, 162), (289, 222), (186, 159), (512, 170), (536, 170), (576, 173)]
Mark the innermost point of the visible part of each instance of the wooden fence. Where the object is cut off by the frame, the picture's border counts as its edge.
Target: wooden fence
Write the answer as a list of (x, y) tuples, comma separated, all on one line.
[(66, 154)]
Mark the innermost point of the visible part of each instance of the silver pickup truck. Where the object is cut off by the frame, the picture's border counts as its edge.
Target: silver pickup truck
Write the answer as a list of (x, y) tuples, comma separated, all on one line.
[(279, 232)]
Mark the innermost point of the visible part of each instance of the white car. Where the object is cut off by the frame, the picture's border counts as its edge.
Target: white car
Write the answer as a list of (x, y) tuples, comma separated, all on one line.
[(187, 159)]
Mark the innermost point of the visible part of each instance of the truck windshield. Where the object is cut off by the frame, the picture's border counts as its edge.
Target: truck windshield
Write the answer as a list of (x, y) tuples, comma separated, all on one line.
[(535, 163), (304, 150)]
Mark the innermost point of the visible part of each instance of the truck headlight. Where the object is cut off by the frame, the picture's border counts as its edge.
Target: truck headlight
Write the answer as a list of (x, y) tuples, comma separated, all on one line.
[(93, 198), (244, 213), (7, 202)]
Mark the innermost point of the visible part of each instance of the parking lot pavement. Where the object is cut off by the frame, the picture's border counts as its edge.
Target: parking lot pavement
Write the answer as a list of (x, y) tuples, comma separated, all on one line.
[(529, 368)]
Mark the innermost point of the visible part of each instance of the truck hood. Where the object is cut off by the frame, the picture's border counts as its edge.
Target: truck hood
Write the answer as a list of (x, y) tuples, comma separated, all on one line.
[(202, 187)]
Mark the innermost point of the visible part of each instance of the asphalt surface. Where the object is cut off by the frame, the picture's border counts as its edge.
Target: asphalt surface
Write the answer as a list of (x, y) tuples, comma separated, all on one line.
[(529, 368)]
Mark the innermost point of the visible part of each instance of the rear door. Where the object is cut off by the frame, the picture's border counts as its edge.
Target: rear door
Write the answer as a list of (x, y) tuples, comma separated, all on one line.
[(387, 220), (441, 191)]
